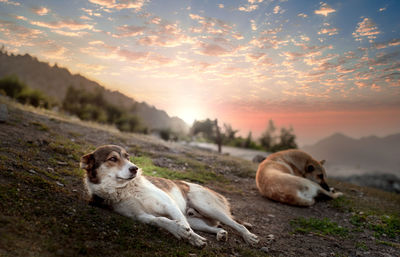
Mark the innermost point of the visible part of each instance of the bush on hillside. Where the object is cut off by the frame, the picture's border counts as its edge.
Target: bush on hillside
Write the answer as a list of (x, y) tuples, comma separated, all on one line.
[(16, 89), (93, 106)]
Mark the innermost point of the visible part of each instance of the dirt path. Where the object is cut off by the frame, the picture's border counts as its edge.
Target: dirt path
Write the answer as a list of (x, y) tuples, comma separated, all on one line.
[(39, 155)]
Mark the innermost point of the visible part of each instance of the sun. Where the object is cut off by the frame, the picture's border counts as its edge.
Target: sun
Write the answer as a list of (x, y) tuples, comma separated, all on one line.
[(189, 115)]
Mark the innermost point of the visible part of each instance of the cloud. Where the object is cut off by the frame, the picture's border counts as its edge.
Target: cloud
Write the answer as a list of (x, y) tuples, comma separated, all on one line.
[(278, 10), (251, 6), (392, 42), (303, 15), (19, 35), (268, 41), (213, 49), (165, 35), (382, 9), (68, 24), (129, 31), (308, 51), (70, 33), (121, 4), (19, 17), (253, 25), (366, 28), (52, 51), (10, 2), (221, 6), (329, 31), (324, 10), (41, 11)]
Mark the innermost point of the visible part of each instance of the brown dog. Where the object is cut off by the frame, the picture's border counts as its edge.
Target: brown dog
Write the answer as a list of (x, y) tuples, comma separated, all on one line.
[(293, 177)]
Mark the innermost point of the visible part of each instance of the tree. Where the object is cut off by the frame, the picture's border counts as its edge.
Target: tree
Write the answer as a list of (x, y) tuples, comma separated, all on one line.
[(268, 138), (211, 131), (272, 142), (287, 140)]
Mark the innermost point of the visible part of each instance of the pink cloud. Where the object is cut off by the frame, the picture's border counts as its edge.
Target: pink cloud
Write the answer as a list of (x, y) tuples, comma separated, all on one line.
[(324, 10), (10, 2), (213, 50), (392, 42), (121, 4), (366, 28), (41, 11), (329, 31), (68, 24), (129, 31)]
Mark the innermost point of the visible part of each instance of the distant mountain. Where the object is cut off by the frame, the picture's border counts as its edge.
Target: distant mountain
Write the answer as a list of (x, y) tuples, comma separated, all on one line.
[(54, 81), (349, 156)]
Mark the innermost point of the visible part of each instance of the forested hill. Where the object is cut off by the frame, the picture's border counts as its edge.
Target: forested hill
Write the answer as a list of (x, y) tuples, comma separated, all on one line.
[(54, 81)]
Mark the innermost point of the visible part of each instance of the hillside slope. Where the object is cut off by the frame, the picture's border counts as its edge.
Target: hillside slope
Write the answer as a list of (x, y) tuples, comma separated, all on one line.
[(54, 81), (43, 208)]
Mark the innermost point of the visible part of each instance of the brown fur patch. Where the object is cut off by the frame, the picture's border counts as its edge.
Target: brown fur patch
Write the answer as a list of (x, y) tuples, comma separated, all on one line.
[(183, 187), (164, 184)]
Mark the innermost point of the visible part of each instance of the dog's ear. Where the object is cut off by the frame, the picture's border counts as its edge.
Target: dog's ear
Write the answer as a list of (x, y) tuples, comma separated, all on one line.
[(87, 161), (322, 162)]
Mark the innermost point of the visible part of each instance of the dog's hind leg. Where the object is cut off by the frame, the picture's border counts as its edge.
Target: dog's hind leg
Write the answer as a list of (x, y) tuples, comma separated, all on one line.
[(177, 228), (212, 205), (200, 225)]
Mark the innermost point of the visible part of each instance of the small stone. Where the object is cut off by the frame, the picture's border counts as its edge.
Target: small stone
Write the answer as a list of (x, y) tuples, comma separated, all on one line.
[(59, 183), (32, 171), (49, 169), (192, 255), (264, 249), (271, 215), (323, 254), (62, 163), (3, 113)]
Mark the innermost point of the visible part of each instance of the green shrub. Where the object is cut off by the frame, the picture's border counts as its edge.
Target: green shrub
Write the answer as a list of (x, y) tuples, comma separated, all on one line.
[(93, 106), (18, 90), (12, 86)]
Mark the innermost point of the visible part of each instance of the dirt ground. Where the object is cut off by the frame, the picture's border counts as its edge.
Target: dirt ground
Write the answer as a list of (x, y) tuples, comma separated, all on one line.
[(37, 144)]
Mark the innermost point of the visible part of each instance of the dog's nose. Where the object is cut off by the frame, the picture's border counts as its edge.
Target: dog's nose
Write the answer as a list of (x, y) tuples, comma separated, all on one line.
[(133, 169)]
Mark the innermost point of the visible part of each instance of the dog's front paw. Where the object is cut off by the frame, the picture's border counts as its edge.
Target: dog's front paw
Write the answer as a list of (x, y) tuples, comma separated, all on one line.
[(182, 230), (222, 235), (197, 240), (251, 239), (337, 194)]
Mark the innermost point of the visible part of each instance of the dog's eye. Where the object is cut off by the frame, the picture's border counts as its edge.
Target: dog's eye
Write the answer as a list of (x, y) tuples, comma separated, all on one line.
[(310, 168), (321, 176), (113, 159)]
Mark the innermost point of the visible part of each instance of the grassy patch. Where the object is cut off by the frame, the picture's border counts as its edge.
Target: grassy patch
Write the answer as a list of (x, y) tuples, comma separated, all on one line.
[(319, 226), (342, 203), (40, 126), (148, 167), (391, 244), (384, 225)]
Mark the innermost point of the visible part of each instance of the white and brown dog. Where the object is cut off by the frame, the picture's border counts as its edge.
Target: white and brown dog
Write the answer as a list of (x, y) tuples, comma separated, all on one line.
[(293, 177), (176, 206)]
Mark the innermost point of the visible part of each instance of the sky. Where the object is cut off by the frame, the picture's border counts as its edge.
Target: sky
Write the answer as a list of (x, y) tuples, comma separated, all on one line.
[(320, 67)]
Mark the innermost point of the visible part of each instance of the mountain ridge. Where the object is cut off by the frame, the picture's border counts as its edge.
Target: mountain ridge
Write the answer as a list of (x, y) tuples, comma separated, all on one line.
[(349, 156)]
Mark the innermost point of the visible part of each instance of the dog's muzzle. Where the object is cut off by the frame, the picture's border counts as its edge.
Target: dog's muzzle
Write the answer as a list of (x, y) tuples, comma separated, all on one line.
[(325, 186)]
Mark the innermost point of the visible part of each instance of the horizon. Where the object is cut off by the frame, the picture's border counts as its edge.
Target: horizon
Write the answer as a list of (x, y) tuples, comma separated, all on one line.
[(320, 67)]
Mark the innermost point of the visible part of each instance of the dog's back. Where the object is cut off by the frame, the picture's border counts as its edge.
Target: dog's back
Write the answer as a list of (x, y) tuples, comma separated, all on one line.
[(282, 177)]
